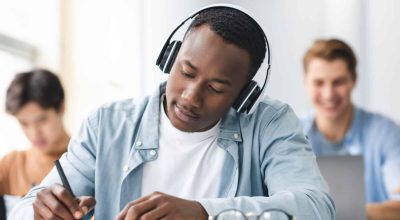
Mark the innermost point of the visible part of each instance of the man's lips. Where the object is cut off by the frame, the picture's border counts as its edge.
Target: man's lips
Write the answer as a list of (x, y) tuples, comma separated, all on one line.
[(184, 114), (39, 143), (330, 106)]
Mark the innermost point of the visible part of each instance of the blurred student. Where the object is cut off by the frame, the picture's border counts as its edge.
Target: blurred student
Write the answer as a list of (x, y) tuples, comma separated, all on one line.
[(36, 100), (338, 127)]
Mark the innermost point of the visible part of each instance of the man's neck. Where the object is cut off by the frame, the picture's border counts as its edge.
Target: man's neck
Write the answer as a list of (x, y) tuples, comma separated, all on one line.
[(60, 146), (335, 130)]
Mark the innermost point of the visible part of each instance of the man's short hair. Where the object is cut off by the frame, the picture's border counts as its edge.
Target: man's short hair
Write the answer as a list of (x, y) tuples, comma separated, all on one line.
[(237, 28), (40, 86), (332, 49)]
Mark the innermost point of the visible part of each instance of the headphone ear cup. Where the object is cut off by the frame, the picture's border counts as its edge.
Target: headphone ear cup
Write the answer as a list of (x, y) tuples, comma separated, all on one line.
[(247, 97), (168, 58)]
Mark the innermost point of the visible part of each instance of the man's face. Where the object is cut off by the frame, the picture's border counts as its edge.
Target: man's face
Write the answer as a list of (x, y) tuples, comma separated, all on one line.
[(43, 127), (207, 76), (329, 84)]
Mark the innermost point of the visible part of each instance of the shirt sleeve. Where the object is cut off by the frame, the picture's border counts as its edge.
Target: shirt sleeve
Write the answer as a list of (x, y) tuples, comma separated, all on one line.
[(290, 172), (391, 162), (79, 167)]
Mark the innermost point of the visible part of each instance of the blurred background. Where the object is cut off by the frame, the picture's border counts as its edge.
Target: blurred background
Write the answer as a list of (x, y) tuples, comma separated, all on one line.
[(105, 50)]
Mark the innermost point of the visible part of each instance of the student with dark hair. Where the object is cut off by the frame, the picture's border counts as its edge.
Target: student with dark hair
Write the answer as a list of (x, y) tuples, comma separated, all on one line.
[(338, 127), (36, 100), (185, 152)]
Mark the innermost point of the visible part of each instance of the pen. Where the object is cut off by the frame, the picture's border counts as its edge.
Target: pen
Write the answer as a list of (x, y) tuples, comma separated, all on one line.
[(63, 177)]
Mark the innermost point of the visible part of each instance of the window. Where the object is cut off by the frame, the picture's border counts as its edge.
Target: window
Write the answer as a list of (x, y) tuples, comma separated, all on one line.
[(11, 136)]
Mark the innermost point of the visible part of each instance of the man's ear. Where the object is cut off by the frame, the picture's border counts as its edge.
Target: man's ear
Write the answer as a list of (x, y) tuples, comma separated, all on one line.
[(354, 78), (61, 111)]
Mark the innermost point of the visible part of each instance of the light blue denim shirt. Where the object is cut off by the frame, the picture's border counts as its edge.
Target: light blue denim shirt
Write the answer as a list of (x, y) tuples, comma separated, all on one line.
[(375, 137), (269, 163)]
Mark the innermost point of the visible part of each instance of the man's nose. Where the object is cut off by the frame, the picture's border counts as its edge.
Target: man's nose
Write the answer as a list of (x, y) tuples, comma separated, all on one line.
[(33, 131), (193, 95), (328, 92)]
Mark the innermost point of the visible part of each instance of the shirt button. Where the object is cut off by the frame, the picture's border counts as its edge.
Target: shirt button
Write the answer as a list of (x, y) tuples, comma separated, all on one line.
[(126, 168), (153, 152), (138, 144), (236, 136)]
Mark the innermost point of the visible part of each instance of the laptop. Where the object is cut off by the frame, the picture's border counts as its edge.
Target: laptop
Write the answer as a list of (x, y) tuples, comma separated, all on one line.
[(345, 177)]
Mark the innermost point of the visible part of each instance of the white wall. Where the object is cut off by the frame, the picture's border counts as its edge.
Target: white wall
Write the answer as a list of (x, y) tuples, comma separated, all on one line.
[(370, 27), (383, 56), (106, 49), (34, 25)]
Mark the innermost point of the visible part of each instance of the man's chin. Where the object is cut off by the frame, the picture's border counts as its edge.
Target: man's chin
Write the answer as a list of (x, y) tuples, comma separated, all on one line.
[(185, 127), (42, 148), (330, 115)]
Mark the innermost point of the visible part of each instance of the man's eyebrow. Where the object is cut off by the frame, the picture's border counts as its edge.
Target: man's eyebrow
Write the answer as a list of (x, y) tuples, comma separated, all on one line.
[(187, 62)]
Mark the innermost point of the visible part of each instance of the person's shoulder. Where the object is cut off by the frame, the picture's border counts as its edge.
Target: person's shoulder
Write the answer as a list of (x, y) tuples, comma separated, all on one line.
[(119, 109), (376, 120), (268, 109), (269, 104), (14, 156), (132, 107), (124, 105)]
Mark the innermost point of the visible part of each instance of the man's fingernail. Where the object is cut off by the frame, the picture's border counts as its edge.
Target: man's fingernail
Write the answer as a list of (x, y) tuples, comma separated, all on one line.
[(85, 210), (78, 214)]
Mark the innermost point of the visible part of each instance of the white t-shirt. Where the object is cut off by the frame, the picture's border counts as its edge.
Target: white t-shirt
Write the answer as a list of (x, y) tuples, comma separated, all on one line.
[(189, 164)]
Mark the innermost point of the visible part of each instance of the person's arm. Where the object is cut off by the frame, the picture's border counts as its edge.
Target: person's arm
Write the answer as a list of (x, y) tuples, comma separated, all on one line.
[(79, 167), (391, 171), (389, 210), (290, 173), (390, 151)]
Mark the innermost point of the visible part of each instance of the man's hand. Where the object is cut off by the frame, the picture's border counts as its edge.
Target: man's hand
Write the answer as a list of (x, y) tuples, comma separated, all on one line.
[(57, 203), (388, 210), (162, 206)]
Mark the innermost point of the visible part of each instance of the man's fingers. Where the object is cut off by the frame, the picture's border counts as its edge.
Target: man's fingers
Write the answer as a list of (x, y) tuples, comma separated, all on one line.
[(86, 203), (124, 211), (158, 213), (43, 212), (40, 210), (68, 201), (49, 201), (136, 211), (138, 207)]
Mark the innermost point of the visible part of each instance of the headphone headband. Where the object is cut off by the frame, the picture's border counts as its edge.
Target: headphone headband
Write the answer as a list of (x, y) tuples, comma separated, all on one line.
[(244, 11)]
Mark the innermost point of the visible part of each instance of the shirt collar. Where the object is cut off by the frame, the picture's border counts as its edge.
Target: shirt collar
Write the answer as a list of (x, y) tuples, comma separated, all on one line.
[(350, 141), (148, 134), (354, 127)]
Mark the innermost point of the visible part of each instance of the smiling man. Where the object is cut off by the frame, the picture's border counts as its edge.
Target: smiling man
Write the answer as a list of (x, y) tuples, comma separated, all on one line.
[(185, 153), (338, 127)]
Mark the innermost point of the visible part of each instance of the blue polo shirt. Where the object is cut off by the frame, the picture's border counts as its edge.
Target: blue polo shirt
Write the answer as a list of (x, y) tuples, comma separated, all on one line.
[(375, 137)]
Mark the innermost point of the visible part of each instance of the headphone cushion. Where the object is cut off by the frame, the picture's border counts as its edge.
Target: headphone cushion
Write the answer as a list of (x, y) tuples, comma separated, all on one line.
[(247, 97), (169, 56)]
